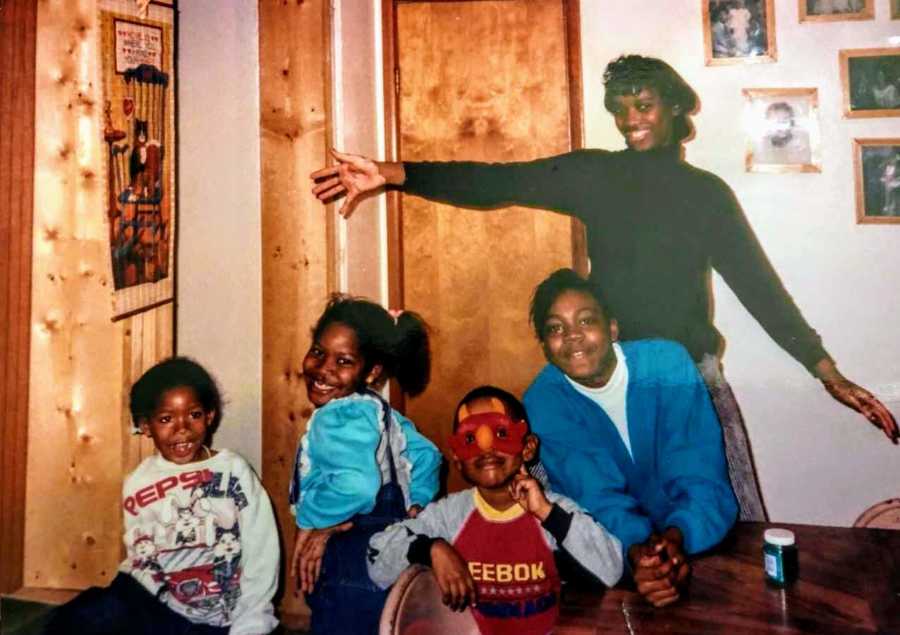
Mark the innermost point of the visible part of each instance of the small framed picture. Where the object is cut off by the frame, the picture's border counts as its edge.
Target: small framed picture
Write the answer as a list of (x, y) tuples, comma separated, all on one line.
[(739, 31), (871, 82), (877, 166), (895, 9), (834, 10), (782, 128)]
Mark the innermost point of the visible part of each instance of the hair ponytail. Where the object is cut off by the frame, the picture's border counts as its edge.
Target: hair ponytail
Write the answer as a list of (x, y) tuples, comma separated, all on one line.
[(412, 353), (400, 346)]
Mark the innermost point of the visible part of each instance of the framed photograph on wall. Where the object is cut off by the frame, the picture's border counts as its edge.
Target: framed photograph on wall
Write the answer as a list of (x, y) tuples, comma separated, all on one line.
[(835, 10), (877, 167), (895, 9), (782, 128), (738, 31), (871, 82)]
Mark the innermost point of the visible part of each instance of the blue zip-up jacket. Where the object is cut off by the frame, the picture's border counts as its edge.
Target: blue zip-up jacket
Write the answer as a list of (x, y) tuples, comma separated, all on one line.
[(342, 461), (678, 476)]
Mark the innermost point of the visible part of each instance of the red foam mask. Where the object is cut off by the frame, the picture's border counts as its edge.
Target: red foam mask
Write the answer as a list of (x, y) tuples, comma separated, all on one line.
[(480, 433)]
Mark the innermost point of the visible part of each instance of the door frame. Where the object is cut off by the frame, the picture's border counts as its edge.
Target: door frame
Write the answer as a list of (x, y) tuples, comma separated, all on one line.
[(18, 26)]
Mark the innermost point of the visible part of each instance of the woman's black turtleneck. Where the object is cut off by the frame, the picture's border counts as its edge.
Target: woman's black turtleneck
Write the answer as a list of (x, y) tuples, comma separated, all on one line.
[(656, 226)]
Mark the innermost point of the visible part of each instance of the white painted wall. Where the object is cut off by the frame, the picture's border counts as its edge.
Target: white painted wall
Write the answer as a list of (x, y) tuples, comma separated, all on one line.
[(219, 282), (818, 461)]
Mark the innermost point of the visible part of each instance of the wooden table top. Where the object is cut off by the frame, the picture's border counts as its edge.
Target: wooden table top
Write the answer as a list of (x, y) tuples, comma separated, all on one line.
[(849, 583)]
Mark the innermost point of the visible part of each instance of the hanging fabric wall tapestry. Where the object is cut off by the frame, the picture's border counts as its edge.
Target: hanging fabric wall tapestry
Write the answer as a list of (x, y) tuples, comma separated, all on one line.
[(139, 141)]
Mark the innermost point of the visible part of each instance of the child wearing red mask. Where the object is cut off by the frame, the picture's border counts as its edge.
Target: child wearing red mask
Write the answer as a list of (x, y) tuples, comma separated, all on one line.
[(492, 546)]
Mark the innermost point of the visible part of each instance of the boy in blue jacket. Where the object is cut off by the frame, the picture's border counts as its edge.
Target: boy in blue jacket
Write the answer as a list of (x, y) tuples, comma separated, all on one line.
[(628, 431)]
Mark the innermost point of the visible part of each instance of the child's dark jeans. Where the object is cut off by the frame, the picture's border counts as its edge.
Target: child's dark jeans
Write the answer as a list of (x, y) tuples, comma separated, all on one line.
[(345, 600), (125, 606)]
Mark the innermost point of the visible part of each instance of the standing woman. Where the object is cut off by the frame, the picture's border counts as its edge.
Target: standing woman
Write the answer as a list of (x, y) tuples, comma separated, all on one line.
[(656, 227)]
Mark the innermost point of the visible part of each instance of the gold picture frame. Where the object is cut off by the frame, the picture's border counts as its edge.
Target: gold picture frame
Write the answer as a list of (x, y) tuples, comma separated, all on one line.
[(739, 35), (835, 10), (869, 80), (782, 130), (876, 164)]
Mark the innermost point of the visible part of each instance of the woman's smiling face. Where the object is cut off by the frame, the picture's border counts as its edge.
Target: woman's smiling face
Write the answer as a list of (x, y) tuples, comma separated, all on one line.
[(644, 119), (577, 338)]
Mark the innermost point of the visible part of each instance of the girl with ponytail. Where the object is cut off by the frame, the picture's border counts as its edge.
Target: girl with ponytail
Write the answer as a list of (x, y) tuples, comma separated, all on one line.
[(361, 465)]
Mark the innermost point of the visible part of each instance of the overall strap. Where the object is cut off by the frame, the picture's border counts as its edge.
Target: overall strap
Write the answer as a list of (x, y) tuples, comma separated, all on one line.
[(294, 490), (386, 419)]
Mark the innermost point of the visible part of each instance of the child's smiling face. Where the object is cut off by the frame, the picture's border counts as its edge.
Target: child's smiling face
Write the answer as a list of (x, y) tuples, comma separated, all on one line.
[(178, 425), (577, 338), (492, 469), (333, 366)]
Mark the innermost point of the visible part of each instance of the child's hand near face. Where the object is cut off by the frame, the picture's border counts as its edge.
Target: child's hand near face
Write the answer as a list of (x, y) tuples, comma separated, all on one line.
[(456, 584), (527, 492)]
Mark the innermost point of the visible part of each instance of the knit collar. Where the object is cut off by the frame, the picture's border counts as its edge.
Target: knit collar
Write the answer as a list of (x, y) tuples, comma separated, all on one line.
[(671, 152), (492, 513)]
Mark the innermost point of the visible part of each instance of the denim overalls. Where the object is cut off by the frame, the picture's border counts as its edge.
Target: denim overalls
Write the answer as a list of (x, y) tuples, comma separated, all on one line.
[(345, 601)]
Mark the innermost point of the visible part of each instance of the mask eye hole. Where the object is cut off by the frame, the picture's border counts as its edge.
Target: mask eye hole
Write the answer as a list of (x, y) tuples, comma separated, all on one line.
[(470, 438), (502, 433)]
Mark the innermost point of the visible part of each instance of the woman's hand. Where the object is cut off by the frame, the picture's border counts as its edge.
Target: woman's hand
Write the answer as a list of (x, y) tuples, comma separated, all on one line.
[(353, 176), (309, 548), (858, 398), (453, 578)]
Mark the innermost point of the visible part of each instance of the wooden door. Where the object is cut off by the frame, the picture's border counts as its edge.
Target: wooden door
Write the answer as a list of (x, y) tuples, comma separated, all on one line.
[(486, 81)]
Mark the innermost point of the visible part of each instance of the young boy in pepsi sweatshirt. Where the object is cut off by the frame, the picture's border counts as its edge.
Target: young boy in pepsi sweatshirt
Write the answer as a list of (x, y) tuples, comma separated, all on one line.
[(201, 544), (492, 546)]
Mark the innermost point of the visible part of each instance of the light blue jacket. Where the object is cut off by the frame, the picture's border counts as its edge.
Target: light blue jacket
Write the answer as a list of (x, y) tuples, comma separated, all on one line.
[(342, 461), (678, 476)]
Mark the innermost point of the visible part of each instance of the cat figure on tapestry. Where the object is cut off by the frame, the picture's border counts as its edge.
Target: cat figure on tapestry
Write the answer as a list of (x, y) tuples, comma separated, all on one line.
[(145, 164)]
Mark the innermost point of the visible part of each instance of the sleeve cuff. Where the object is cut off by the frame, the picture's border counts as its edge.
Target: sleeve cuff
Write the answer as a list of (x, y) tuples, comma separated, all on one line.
[(420, 550), (811, 359), (557, 523), (682, 522), (411, 182), (633, 538)]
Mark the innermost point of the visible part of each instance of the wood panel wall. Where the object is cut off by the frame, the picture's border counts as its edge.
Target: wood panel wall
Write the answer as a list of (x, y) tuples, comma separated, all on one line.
[(82, 363), (297, 271), (18, 20)]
